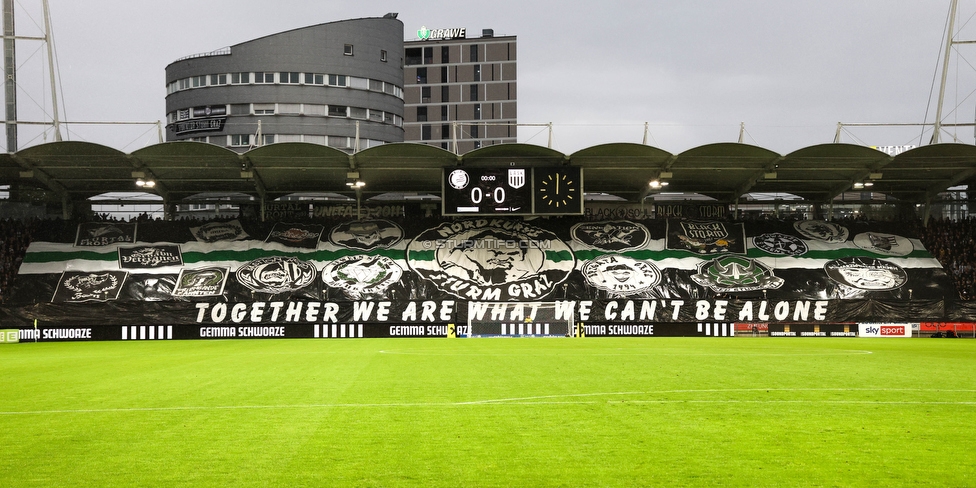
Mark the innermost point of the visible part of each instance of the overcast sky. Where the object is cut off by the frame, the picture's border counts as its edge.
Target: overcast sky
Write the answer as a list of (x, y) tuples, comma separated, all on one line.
[(693, 70)]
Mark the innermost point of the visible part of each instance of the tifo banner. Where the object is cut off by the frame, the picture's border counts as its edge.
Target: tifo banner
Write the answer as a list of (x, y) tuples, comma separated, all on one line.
[(426, 271)]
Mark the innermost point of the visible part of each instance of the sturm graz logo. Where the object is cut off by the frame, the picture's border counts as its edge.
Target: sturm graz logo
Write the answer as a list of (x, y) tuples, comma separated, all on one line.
[(219, 231), (782, 244), (276, 274), (821, 230), (491, 259), (148, 257), (863, 273), (362, 275), (730, 274), (616, 236), (621, 275), (79, 286), (366, 234), (887, 244), (201, 282)]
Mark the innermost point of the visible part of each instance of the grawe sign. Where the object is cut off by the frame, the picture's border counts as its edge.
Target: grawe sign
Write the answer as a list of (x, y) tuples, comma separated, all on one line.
[(426, 34)]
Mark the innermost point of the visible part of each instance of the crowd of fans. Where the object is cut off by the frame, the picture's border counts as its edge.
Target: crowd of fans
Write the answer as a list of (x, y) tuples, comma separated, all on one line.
[(15, 236), (952, 242)]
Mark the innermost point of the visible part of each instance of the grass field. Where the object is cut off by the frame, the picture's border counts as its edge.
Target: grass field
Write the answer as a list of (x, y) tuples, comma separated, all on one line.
[(489, 412)]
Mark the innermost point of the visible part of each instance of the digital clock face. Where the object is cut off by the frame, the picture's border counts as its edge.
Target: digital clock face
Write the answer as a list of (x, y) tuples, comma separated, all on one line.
[(491, 191)]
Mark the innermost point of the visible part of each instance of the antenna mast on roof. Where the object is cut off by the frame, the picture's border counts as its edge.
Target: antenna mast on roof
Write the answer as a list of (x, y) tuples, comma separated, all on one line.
[(10, 71), (937, 128)]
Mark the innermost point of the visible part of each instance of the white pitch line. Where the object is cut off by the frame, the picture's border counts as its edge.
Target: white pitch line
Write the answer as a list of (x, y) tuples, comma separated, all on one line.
[(546, 400)]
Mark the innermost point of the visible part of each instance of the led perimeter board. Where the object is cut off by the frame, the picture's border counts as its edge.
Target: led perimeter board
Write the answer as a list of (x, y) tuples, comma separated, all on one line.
[(512, 191)]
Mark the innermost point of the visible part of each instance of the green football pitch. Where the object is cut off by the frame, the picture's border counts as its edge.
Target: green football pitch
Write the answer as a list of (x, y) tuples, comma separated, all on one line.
[(490, 412)]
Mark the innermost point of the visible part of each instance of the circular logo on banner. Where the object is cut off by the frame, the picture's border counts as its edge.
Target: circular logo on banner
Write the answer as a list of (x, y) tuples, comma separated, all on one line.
[(361, 274), (729, 274), (614, 236), (887, 244), (621, 275), (822, 230), (781, 244), (366, 234), (864, 273), (276, 274), (491, 259)]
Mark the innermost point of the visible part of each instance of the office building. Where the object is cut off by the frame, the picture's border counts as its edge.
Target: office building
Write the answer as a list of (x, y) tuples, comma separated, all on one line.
[(460, 89), (338, 84)]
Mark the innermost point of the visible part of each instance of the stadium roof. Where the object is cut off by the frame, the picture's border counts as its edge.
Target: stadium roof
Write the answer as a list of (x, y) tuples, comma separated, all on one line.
[(723, 171)]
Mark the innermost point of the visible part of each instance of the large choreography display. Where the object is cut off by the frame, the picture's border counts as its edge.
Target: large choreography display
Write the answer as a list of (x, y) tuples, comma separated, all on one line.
[(434, 272)]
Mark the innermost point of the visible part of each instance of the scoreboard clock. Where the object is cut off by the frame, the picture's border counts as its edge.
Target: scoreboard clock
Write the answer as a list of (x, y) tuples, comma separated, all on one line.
[(512, 191)]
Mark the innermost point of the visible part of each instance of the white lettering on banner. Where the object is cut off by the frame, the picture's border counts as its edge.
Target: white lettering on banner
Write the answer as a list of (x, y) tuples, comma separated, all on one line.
[(218, 332), (443, 311), (66, 334), (261, 332), (407, 330)]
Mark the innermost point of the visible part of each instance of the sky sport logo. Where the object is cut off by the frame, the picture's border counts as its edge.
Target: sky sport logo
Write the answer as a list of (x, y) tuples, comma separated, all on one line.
[(892, 330)]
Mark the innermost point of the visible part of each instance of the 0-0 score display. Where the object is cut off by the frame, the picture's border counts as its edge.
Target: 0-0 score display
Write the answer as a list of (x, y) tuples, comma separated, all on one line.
[(473, 191)]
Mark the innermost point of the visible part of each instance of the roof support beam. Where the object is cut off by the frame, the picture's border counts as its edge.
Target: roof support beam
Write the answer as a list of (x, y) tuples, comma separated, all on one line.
[(43, 177)]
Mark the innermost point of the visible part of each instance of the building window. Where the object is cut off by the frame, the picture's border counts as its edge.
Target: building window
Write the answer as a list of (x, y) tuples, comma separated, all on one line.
[(290, 108), (425, 94), (474, 93), (262, 77), (375, 85), (264, 109), (337, 80), (425, 132), (445, 54), (428, 55), (443, 112), (314, 79), (413, 55), (267, 139), (477, 72), (474, 132), (477, 144), (421, 114), (184, 83), (445, 94), (474, 53), (445, 131), (477, 112), (289, 77), (199, 81), (421, 75), (240, 78), (240, 140), (218, 79), (347, 49), (382, 55), (338, 142), (314, 109), (337, 111), (357, 113), (240, 109)]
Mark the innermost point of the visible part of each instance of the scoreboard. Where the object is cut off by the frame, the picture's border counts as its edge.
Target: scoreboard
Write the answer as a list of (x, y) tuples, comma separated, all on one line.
[(556, 190)]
